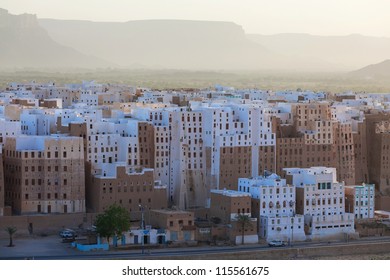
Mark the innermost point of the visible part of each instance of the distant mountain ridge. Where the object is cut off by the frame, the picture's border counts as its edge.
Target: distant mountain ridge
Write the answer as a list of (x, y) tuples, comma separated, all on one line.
[(347, 52), (175, 44), (24, 43), (374, 71), (178, 44)]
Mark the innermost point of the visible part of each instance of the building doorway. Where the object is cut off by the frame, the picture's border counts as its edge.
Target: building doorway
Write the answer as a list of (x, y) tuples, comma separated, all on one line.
[(161, 239)]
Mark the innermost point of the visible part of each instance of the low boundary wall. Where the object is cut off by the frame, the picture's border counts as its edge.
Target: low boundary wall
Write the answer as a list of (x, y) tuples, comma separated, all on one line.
[(45, 224), (296, 253)]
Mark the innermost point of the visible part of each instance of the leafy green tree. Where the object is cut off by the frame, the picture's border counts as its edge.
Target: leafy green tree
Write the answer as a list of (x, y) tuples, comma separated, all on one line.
[(113, 222), (10, 231), (244, 222)]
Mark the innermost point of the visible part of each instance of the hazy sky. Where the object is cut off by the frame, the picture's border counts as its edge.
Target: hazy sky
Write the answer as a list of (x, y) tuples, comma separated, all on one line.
[(319, 17)]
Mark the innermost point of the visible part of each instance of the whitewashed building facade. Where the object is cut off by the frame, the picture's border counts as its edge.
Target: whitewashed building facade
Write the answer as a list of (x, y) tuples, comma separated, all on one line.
[(276, 208)]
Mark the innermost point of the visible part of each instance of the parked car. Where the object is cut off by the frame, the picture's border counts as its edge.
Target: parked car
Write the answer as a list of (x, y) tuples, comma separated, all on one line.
[(68, 234), (276, 243)]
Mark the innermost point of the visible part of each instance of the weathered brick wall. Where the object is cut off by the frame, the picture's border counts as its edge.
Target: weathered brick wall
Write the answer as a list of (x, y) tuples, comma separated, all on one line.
[(42, 224)]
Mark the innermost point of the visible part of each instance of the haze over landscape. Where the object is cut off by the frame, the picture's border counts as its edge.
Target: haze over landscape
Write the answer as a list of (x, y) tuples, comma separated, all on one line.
[(193, 44), (195, 130)]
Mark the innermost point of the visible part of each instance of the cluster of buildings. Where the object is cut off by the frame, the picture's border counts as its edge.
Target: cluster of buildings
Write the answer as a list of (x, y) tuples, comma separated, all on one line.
[(300, 165)]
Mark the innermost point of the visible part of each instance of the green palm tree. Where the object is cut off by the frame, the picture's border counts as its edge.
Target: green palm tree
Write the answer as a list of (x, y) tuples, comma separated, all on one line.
[(244, 221), (10, 231)]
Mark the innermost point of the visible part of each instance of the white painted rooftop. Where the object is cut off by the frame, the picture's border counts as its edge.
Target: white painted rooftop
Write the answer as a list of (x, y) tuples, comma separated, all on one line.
[(231, 193)]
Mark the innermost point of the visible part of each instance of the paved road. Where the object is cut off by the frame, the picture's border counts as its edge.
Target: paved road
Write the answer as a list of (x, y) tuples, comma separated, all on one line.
[(51, 248)]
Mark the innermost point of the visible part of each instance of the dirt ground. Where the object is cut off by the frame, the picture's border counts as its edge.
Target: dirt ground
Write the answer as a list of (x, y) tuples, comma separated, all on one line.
[(385, 256)]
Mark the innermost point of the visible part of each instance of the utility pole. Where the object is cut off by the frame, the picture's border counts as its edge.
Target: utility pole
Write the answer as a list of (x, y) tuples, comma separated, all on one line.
[(142, 227)]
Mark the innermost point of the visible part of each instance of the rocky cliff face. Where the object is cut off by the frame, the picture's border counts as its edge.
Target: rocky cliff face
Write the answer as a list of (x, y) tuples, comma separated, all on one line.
[(24, 43), (18, 21)]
